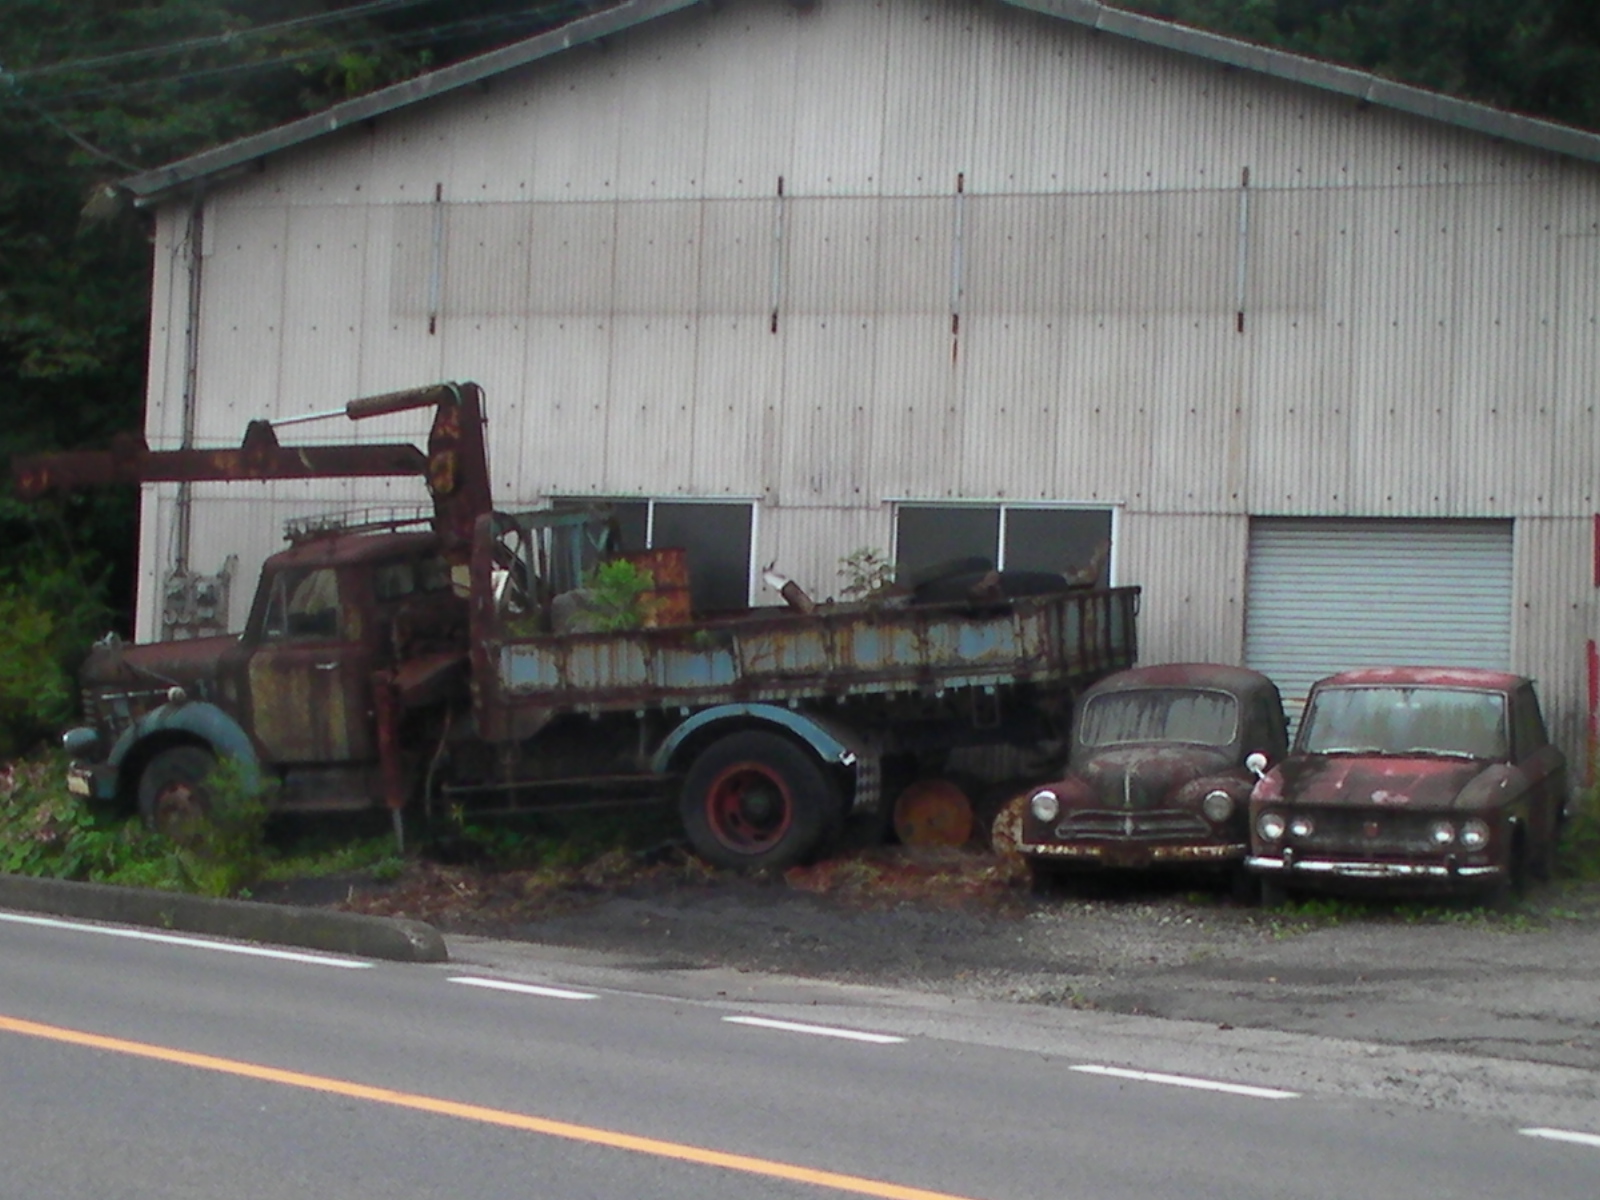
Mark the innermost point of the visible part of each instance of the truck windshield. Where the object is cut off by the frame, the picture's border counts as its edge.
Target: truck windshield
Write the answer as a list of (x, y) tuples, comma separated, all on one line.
[(1160, 715), (1405, 720)]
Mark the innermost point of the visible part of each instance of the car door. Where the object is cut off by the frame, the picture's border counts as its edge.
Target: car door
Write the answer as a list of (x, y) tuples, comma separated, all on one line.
[(309, 674)]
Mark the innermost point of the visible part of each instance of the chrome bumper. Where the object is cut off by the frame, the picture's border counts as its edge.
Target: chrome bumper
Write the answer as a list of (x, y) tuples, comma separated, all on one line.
[(1372, 870)]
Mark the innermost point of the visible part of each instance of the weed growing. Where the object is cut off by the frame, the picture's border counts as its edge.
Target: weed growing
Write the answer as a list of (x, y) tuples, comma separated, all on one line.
[(46, 831)]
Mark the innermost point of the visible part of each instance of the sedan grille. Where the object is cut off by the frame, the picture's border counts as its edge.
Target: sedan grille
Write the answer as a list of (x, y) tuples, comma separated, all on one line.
[(1152, 825)]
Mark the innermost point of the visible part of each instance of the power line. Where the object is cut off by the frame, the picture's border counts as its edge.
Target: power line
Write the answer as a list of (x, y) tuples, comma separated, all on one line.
[(232, 37), (409, 37)]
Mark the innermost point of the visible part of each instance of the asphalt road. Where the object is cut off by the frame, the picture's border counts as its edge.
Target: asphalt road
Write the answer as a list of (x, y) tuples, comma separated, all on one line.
[(139, 1066)]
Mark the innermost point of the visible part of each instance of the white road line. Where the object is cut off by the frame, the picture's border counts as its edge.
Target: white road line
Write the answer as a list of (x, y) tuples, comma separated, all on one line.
[(1565, 1135), (1187, 1081), (169, 939), (851, 1035), (527, 989)]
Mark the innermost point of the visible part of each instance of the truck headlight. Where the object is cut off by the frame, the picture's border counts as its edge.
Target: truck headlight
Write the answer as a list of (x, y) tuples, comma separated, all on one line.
[(1045, 805), (80, 742), (1270, 826), (1217, 806)]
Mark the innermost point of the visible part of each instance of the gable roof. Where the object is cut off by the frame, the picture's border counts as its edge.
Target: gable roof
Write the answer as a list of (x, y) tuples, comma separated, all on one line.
[(151, 187)]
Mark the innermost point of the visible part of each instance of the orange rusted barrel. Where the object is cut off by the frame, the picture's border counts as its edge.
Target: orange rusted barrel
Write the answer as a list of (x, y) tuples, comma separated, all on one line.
[(667, 603), (933, 812)]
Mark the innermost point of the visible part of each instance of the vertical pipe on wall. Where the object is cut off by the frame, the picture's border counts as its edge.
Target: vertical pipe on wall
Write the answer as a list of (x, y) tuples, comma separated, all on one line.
[(1243, 252), (777, 254), (194, 235), (958, 264)]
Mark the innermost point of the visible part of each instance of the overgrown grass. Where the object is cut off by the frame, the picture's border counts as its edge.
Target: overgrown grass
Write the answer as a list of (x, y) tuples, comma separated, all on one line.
[(1579, 857), (46, 831)]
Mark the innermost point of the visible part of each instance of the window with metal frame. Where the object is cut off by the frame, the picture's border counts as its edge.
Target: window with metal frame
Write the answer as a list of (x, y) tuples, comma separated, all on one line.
[(718, 537), (1069, 540)]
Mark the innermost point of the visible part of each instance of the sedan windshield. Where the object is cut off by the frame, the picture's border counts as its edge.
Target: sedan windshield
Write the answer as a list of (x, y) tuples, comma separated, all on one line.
[(1405, 720), (1160, 715)]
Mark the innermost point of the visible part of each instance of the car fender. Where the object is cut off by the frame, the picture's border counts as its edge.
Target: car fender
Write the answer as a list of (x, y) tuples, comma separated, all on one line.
[(200, 721)]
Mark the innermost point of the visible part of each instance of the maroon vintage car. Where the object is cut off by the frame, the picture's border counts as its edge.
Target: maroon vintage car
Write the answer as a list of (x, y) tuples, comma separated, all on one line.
[(1412, 780), (1157, 775)]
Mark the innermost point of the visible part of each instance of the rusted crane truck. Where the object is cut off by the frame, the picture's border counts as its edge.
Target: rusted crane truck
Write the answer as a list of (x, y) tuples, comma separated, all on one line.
[(461, 665)]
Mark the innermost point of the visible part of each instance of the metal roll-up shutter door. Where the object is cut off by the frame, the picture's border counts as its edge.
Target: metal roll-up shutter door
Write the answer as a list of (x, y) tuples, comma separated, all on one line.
[(1327, 595)]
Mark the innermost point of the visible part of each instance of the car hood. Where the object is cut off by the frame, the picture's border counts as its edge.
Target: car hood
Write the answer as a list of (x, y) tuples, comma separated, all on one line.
[(1136, 777), (156, 664), (1361, 781)]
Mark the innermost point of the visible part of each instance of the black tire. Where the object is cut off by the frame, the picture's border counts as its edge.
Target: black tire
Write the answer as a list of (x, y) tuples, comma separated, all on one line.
[(756, 800), (1243, 887), (1273, 893), (172, 791)]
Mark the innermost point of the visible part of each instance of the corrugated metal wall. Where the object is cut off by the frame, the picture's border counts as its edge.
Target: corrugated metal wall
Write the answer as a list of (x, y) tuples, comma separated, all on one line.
[(1009, 260)]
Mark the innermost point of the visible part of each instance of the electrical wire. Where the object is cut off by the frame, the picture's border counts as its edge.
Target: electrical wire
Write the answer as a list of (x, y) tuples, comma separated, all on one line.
[(232, 37), (424, 35)]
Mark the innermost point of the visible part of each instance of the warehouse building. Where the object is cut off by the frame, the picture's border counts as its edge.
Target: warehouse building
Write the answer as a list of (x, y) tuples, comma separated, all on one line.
[(1309, 355)]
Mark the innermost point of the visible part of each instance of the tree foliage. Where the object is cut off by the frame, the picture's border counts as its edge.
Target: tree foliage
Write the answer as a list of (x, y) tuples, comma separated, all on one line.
[(1538, 57)]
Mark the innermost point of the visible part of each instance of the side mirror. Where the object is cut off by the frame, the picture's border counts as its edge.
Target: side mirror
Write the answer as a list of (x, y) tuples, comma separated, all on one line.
[(1256, 764)]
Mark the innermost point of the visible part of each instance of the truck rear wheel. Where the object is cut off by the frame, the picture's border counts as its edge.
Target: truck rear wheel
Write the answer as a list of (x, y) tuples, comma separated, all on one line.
[(173, 799), (757, 800)]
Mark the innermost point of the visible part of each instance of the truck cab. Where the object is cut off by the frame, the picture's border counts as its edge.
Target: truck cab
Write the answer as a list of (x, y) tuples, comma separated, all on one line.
[(292, 698)]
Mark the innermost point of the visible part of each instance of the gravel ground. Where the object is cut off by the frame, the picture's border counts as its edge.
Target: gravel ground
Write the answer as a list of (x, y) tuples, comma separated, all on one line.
[(1523, 985)]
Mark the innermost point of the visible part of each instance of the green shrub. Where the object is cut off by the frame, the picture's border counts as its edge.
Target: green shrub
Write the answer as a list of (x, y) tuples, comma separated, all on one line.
[(47, 831), (1580, 841), (619, 595)]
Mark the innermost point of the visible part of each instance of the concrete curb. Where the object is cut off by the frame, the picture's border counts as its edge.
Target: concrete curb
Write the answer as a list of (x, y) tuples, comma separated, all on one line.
[(243, 920)]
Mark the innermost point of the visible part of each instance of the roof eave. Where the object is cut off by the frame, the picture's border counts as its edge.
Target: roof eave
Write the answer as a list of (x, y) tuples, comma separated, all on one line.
[(1362, 86)]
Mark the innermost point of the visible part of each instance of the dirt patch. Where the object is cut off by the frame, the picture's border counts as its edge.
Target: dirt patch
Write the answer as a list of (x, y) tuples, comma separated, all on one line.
[(1520, 985)]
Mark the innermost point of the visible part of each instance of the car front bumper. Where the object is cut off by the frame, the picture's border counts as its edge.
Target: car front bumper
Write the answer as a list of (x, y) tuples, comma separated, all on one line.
[(1134, 855), (1289, 866)]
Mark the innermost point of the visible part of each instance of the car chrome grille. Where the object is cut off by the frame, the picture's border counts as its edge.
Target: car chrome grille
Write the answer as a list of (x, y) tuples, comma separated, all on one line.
[(1147, 824), (1366, 832)]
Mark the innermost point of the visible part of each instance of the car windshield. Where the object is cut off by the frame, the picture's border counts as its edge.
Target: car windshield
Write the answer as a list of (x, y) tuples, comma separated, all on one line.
[(1405, 720), (1160, 715)]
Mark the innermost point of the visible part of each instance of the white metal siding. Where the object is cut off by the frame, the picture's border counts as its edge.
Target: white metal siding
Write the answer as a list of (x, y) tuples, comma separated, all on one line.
[(1327, 596)]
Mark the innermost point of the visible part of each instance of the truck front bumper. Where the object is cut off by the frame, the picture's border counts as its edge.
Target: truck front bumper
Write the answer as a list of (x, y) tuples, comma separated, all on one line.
[(92, 781)]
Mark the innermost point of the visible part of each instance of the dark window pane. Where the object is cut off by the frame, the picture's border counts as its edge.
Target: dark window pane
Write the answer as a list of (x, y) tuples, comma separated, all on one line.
[(934, 534), (1075, 542), (717, 538)]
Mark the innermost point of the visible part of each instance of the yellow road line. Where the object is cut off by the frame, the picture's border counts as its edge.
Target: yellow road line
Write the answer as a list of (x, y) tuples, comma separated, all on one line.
[(473, 1112)]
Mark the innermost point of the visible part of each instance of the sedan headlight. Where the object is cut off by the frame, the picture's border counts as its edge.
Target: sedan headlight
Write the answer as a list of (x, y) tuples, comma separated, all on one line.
[(1045, 805), (1270, 826), (1217, 806), (1474, 834), (1302, 827), (1441, 833)]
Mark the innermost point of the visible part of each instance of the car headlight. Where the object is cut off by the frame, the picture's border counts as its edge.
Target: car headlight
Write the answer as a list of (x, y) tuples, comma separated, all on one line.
[(1270, 826), (1441, 833), (1302, 827), (1045, 805), (1474, 834), (1217, 806)]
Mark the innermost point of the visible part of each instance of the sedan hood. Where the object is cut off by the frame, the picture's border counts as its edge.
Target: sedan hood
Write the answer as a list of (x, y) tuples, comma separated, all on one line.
[(1138, 777), (1363, 781)]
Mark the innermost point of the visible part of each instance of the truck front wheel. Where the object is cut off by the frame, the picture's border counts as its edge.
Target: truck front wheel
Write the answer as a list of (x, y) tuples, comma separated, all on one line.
[(757, 800), (173, 799)]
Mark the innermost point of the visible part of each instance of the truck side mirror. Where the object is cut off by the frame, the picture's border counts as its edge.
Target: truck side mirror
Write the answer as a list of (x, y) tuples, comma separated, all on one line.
[(1256, 764)]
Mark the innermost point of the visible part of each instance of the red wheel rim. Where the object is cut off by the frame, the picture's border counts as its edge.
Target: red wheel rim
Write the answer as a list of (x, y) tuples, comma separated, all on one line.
[(179, 807), (749, 808)]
